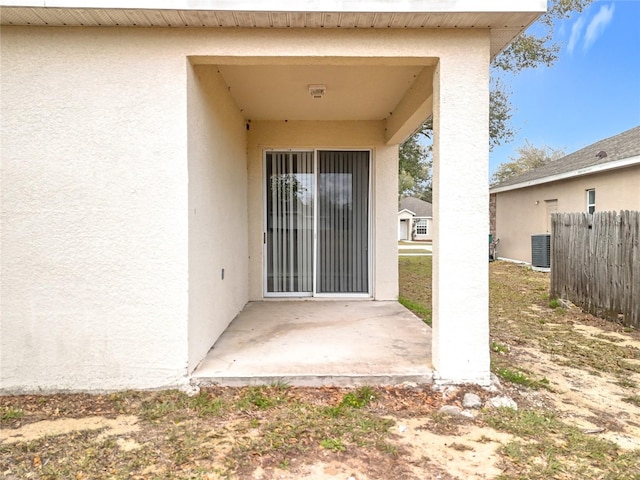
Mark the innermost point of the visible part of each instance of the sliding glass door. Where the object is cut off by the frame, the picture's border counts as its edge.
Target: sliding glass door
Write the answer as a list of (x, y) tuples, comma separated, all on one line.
[(290, 222), (343, 222), (317, 223)]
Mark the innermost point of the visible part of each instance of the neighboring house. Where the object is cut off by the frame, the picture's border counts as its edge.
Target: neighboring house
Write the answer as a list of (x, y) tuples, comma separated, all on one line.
[(415, 217), (604, 176), (166, 162)]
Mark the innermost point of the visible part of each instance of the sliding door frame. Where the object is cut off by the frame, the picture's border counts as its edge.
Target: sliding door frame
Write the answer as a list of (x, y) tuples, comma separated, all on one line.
[(265, 253), (314, 293)]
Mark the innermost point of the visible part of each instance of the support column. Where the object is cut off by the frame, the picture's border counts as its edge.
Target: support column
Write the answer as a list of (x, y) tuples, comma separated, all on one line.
[(385, 228), (460, 194)]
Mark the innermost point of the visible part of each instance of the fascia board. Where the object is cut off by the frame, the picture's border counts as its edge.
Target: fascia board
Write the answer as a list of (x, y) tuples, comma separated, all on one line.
[(356, 6), (603, 167)]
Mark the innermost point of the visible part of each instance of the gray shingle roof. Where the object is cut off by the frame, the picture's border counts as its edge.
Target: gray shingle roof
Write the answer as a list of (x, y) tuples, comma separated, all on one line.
[(619, 147), (417, 206)]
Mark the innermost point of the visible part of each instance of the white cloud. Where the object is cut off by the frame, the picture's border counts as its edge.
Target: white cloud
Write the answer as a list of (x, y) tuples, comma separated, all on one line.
[(576, 31), (597, 25)]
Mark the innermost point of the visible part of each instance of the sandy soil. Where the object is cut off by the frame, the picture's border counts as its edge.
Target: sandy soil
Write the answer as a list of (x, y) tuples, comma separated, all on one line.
[(119, 426), (591, 402)]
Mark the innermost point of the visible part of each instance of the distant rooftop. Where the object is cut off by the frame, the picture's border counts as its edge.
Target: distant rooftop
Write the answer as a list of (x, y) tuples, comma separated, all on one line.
[(417, 206), (614, 152)]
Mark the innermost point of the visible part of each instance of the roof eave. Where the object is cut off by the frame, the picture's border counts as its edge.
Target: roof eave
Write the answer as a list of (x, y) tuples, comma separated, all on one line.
[(406, 210), (353, 6), (602, 167), (504, 18)]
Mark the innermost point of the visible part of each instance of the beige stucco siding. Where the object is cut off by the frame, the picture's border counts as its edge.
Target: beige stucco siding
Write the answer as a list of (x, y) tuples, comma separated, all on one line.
[(330, 135), (524, 212), (217, 209), (94, 201), (129, 182)]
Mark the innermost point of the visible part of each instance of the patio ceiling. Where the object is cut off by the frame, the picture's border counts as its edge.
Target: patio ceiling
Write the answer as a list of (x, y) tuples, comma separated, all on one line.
[(281, 92), (398, 92)]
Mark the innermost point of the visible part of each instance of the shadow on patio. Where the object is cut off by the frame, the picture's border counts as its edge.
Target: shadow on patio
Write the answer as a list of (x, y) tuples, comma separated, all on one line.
[(313, 343)]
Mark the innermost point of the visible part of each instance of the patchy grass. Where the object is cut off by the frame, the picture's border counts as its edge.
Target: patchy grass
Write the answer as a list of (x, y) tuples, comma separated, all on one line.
[(500, 348), (520, 314), (298, 428), (10, 413), (360, 398), (545, 447), (176, 406), (415, 286), (634, 400), (554, 303), (227, 431), (261, 398), (419, 309), (626, 383), (521, 377), (334, 444), (609, 338)]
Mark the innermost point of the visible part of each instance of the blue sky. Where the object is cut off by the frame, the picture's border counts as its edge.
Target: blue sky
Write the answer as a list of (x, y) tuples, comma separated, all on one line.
[(593, 90)]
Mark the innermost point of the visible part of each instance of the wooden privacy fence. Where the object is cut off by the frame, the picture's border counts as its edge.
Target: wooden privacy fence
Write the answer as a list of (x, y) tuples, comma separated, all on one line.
[(595, 263)]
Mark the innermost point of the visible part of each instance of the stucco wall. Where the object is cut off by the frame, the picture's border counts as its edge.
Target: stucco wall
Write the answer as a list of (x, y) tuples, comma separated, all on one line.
[(94, 177), (217, 209), (95, 193), (523, 212), (327, 135)]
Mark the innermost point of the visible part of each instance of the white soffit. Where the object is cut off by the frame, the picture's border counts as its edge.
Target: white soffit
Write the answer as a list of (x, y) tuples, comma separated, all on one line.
[(505, 18), (451, 6)]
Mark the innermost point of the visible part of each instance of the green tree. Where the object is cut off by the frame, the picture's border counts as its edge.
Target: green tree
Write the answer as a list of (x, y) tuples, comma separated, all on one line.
[(415, 169), (500, 112), (535, 47), (527, 158)]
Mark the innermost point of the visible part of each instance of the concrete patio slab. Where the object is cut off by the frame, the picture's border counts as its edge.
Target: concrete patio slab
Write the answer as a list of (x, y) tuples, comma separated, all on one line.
[(314, 343)]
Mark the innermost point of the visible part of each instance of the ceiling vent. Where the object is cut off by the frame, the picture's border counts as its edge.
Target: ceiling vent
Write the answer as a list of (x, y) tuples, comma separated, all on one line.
[(317, 91)]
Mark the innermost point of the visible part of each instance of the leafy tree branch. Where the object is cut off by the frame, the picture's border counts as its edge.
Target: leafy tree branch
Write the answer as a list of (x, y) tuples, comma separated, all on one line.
[(535, 47)]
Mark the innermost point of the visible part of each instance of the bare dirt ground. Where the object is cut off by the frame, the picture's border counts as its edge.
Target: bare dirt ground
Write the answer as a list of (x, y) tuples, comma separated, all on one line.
[(573, 377), (50, 442)]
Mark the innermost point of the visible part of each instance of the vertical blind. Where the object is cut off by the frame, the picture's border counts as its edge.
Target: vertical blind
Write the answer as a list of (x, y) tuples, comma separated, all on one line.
[(290, 197), (343, 222)]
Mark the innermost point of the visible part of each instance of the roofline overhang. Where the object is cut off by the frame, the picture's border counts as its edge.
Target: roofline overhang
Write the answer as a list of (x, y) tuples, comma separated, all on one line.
[(505, 18), (355, 6), (603, 167)]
